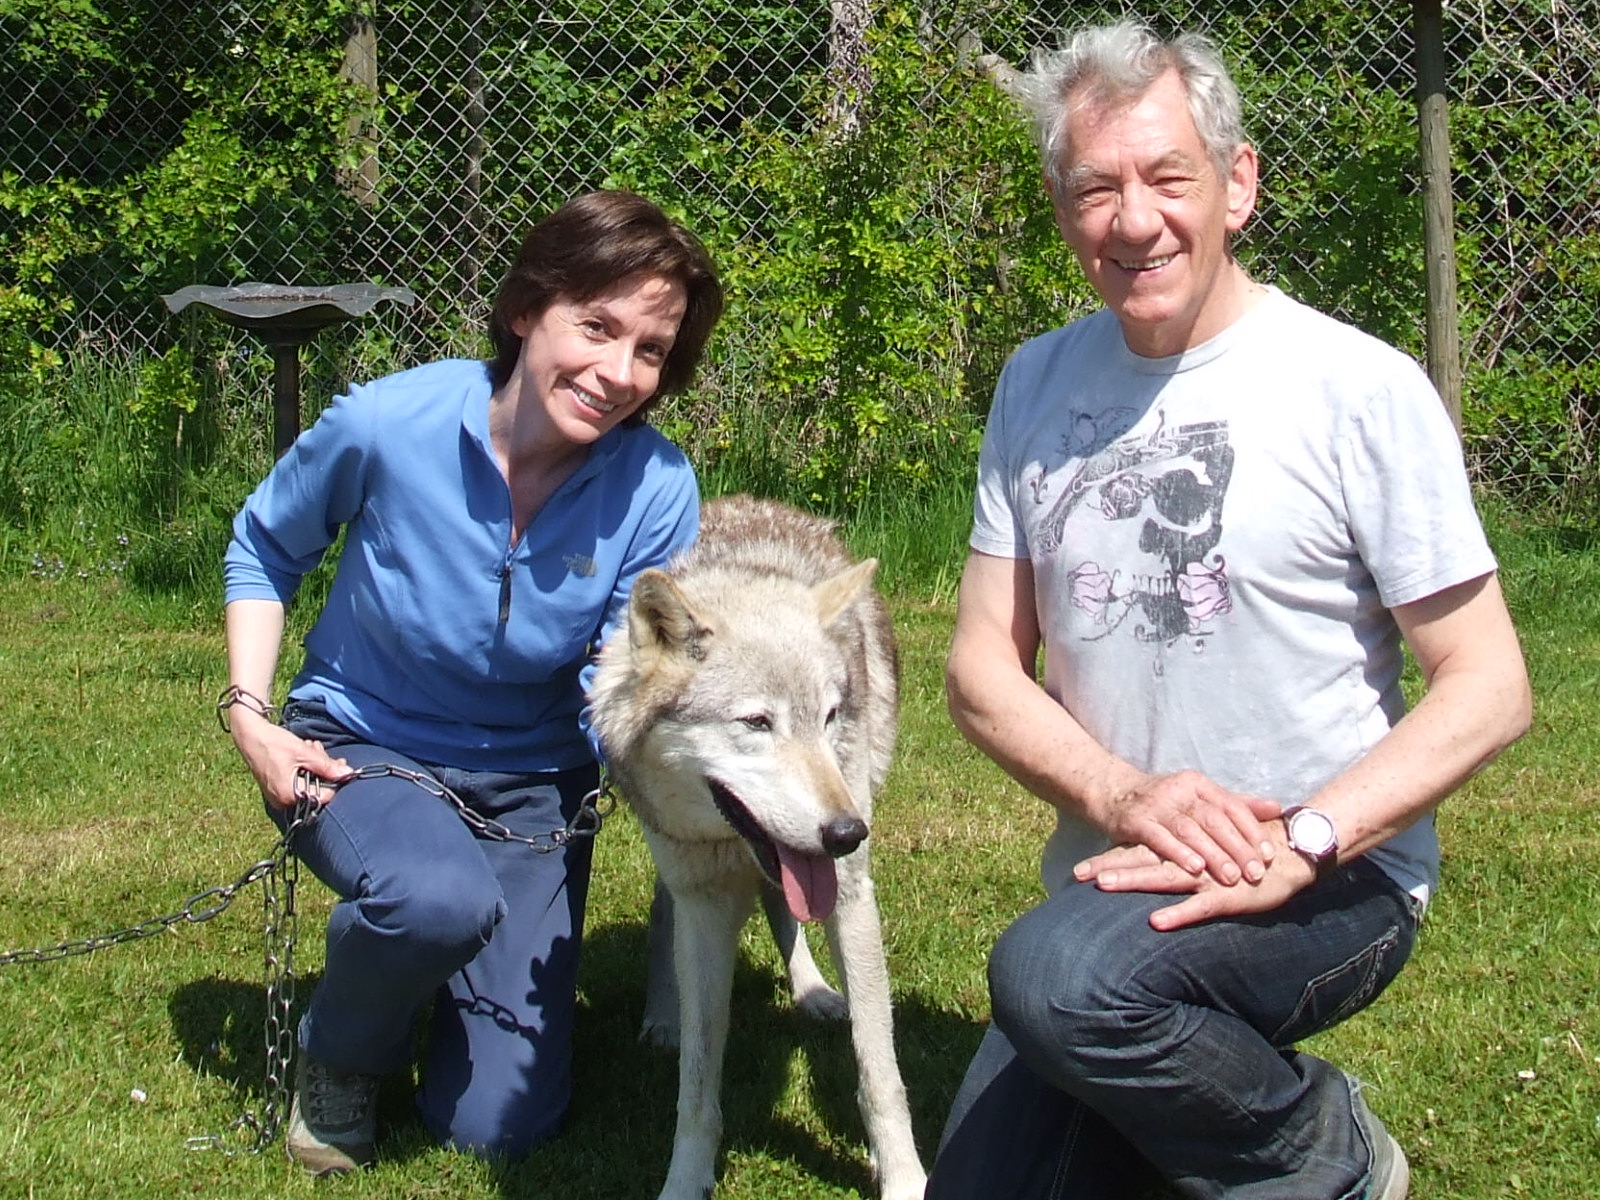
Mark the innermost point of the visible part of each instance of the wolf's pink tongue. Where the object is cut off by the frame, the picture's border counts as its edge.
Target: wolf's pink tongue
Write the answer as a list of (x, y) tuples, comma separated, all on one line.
[(810, 884)]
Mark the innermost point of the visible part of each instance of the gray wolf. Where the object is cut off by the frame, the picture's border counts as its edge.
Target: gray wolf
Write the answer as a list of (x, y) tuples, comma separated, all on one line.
[(748, 714)]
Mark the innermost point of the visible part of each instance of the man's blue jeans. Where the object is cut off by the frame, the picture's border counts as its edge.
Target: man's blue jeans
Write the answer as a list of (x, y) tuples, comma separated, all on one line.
[(489, 931), (1119, 1054)]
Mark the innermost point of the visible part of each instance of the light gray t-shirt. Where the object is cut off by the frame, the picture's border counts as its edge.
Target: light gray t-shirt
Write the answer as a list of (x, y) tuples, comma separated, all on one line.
[(1217, 539)]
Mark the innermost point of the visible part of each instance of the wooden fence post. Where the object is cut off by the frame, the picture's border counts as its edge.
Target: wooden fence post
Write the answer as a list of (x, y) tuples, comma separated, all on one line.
[(360, 179), (1438, 208)]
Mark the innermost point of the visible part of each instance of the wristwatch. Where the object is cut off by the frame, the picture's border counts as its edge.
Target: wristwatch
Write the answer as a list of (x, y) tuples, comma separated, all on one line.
[(1313, 837)]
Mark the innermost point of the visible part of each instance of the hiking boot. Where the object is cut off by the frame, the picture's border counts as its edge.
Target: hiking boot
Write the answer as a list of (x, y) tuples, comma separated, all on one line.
[(333, 1120), (1390, 1175)]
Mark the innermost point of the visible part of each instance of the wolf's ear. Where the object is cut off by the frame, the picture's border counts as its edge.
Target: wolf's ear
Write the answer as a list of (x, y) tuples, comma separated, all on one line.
[(660, 620), (835, 595)]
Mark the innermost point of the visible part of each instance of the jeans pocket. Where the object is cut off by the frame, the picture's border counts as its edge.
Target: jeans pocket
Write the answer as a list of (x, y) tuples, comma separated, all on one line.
[(310, 719), (1344, 990)]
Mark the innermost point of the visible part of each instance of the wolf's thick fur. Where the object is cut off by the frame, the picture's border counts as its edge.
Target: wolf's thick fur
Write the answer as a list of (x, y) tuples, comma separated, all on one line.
[(748, 716)]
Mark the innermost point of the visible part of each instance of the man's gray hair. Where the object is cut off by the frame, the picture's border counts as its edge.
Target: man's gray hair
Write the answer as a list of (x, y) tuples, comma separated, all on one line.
[(1118, 64)]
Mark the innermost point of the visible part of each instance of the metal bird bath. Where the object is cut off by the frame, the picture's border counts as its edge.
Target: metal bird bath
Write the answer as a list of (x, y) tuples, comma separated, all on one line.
[(286, 318)]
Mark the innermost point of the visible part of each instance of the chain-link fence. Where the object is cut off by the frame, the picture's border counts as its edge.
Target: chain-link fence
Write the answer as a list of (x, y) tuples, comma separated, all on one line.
[(856, 168)]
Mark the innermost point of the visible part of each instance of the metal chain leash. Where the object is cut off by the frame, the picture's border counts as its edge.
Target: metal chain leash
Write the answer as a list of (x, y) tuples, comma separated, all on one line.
[(279, 875), (592, 811), (197, 908), (280, 932)]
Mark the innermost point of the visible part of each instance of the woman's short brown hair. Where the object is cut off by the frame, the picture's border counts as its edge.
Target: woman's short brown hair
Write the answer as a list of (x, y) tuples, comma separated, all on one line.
[(587, 246)]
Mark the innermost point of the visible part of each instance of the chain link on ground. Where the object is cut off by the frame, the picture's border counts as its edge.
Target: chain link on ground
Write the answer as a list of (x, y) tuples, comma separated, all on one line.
[(278, 875)]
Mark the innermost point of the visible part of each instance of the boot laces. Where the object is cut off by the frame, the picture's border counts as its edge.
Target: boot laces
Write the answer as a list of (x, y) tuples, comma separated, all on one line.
[(336, 1099)]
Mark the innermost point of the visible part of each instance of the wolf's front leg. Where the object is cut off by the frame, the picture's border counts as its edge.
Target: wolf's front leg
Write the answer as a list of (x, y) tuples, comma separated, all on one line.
[(812, 994), (660, 1026), (705, 943), (857, 944)]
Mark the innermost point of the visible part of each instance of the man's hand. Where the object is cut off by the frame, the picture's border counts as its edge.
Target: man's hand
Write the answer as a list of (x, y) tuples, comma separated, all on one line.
[(1195, 825), (1139, 869)]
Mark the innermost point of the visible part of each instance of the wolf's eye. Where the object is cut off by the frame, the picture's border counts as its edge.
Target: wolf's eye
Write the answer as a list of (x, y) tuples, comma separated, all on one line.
[(759, 722), (833, 714)]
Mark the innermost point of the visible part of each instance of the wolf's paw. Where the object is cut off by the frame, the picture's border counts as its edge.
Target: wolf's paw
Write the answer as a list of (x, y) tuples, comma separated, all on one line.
[(659, 1031), (910, 1187), (685, 1185), (902, 1176), (822, 1003)]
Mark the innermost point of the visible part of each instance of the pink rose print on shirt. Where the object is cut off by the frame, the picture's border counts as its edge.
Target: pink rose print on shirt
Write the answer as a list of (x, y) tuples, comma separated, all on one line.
[(1203, 592), (1091, 590)]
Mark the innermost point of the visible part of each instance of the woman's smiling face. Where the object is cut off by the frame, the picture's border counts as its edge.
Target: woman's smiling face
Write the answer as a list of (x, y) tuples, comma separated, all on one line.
[(591, 364)]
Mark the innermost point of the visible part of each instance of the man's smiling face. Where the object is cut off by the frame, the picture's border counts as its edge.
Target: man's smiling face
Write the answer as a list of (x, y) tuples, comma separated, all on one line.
[(1149, 216)]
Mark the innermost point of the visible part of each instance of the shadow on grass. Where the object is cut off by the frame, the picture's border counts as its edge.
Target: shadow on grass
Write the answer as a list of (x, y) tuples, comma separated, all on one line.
[(221, 1023), (618, 1138)]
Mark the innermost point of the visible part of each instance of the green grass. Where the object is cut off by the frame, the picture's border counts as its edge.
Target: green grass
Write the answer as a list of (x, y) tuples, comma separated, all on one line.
[(121, 798)]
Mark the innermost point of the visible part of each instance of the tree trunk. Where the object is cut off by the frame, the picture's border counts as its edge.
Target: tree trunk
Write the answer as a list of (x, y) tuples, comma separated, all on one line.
[(847, 63)]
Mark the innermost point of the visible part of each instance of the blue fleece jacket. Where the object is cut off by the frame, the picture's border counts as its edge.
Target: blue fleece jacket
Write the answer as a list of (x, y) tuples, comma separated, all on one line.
[(439, 637)]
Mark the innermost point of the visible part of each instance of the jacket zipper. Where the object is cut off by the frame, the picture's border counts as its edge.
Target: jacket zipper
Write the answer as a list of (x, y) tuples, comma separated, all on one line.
[(505, 588)]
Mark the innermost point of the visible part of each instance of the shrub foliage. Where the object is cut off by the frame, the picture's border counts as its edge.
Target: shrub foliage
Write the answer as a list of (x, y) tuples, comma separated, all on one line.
[(874, 204)]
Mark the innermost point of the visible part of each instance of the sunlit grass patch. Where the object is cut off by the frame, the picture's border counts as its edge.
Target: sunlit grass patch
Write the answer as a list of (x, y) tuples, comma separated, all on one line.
[(122, 797)]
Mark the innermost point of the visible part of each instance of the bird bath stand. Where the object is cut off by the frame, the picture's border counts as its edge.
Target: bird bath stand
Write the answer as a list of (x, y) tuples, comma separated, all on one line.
[(286, 318)]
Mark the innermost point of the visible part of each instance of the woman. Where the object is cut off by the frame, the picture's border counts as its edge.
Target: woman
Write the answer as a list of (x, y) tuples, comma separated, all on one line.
[(495, 516)]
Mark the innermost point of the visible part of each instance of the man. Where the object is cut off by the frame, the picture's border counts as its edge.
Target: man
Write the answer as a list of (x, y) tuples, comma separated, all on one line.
[(1221, 514)]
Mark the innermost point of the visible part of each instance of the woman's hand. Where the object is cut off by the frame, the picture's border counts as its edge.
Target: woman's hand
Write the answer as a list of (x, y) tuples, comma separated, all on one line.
[(276, 756)]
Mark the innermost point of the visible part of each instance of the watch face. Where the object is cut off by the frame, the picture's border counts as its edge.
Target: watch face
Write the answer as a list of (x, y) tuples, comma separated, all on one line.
[(1311, 832)]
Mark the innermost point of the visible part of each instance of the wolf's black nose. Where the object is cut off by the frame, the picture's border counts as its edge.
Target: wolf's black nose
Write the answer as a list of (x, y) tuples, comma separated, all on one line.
[(842, 835)]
